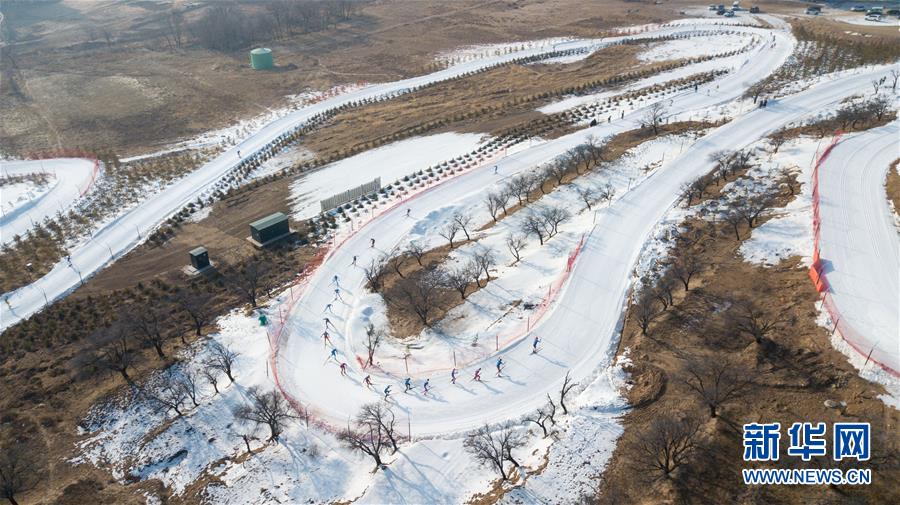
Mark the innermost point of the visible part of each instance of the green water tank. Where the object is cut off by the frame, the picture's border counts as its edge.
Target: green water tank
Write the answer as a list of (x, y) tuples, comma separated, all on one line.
[(261, 58)]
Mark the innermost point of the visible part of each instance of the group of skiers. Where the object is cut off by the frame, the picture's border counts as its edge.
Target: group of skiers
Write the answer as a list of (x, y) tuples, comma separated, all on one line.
[(407, 383)]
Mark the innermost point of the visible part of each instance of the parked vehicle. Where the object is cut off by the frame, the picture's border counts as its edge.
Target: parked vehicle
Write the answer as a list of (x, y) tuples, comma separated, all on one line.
[(858, 8), (814, 10), (754, 10), (729, 14), (713, 7), (873, 16)]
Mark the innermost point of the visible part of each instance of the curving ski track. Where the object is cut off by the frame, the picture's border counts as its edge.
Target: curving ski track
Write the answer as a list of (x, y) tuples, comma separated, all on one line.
[(578, 335), (860, 247)]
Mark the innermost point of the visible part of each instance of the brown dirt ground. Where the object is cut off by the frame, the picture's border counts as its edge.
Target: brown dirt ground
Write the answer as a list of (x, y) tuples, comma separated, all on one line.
[(794, 374), (404, 323), (892, 185), (135, 95), (495, 89)]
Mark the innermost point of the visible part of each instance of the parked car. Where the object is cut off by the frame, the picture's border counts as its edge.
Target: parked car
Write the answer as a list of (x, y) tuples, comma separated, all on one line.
[(729, 14), (892, 12), (713, 7), (873, 16), (858, 8), (754, 10), (813, 11)]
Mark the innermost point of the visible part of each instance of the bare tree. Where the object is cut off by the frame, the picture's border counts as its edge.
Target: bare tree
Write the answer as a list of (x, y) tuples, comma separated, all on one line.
[(645, 311), (222, 359), (368, 436), (664, 290), (459, 279), (515, 243), (596, 149), (534, 225), (567, 386), (751, 208), (485, 258), (417, 251), (149, 324), (373, 338), (268, 408), (787, 177), (878, 106), (557, 169), (168, 393), (734, 218), (654, 116), (551, 410), (420, 294), (607, 192), (540, 417), (375, 273), (211, 374), (666, 445), (115, 353), (754, 321), (494, 448), (250, 280), (876, 83), (189, 382), (381, 414), (197, 305), (588, 195), (19, 471), (463, 221), (552, 217), (777, 139), (396, 263), (449, 231), (493, 204), (519, 187), (716, 380), (895, 76), (684, 266)]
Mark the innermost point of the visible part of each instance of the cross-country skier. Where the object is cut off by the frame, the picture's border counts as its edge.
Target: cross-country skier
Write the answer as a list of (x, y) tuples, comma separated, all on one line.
[(425, 386), (354, 260), (453, 376), (387, 391), (499, 366), (334, 353), (239, 153), (326, 338), (373, 242), (328, 308), (368, 381), (327, 323), (477, 375), (337, 294), (334, 280), (408, 384), (343, 369), (534, 345), (496, 168), (408, 211)]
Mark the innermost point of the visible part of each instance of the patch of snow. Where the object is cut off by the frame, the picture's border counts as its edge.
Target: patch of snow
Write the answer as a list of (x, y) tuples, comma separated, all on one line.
[(693, 47), (789, 233), (389, 162)]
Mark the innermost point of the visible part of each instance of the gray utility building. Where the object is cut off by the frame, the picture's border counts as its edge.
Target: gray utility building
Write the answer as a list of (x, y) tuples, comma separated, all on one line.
[(269, 229), (199, 258)]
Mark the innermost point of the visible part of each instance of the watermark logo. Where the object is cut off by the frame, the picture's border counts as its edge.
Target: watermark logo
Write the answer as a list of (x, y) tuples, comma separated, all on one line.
[(807, 441), (761, 441)]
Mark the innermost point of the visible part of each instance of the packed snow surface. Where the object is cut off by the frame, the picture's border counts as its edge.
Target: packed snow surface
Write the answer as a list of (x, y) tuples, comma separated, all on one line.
[(860, 247), (390, 162), (69, 178)]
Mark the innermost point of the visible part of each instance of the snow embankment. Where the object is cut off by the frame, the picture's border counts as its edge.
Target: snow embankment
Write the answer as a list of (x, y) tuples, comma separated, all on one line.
[(390, 162), (69, 180)]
